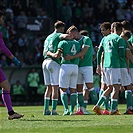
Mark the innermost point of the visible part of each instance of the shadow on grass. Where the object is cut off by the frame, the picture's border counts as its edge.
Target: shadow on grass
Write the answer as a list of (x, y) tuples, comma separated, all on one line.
[(53, 120)]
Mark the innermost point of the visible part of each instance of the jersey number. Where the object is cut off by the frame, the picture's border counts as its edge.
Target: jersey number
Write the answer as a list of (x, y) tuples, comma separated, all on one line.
[(73, 49)]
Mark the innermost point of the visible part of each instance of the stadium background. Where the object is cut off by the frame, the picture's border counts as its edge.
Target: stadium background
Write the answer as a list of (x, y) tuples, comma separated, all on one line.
[(35, 19)]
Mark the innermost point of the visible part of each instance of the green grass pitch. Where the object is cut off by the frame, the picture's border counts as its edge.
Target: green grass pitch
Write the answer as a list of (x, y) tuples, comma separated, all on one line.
[(35, 122)]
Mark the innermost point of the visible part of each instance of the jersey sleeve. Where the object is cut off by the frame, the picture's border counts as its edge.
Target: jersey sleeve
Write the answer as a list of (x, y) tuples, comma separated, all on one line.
[(60, 46), (121, 47), (99, 53), (87, 42)]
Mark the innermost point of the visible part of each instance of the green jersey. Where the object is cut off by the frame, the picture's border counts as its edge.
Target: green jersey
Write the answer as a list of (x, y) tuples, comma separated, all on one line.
[(69, 47), (131, 42), (123, 63), (112, 46), (51, 44), (100, 50), (87, 59)]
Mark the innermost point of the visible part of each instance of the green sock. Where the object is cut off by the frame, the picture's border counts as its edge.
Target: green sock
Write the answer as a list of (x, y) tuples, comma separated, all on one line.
[(64, 100), (101, 92), (93, 95), (101, 100), (106, 103), (73, 97), (128, 97), (114, 105), (46, 103), (80, 99), (85, 104), (54, 104)]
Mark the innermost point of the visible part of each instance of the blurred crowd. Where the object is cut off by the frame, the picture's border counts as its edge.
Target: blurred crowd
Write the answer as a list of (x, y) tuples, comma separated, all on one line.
[(87, 15)]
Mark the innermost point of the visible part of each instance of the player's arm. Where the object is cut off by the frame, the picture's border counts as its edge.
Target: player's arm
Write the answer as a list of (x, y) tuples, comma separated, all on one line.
[(121, 48), (127, 58), (65, 37), (54, 55), (80, 54), (99, 54), (8, 53), (129, 45)]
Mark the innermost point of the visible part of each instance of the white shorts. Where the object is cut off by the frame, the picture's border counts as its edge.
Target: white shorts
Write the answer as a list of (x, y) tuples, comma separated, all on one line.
[(112, 76), (103, 78), (131, 74), (125, 77), (68, 76), (85, 74), (50, 72)]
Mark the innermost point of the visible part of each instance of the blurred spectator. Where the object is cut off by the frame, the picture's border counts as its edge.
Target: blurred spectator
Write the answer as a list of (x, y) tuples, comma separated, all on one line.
[(31, 10), (9, 14), (120, 14), (17, 7), (30, 60), (77, 13), (21, 21), (22, 45), (18, 92), (3, 61), (38, 46), (33, 83), (42, 14), (4, 33), (67, 13)]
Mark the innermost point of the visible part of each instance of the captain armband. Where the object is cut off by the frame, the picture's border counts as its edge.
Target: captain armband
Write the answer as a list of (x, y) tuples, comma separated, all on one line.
[(60, 50)]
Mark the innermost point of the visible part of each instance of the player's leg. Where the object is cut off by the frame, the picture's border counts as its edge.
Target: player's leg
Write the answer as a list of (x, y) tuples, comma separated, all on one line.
[(80, 98), (73, 84), (103, 88), (115, 76), (47, 82), (105, 94), (128, 97), (126, 83), (88, 78), (47, 95), (54, 69), (131, 76), (64, 85), (7, 101), (64, 100)]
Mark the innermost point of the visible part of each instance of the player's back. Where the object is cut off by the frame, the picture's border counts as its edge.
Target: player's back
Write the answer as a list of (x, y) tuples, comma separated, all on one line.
[(51, 44), (111, 46), (71, 47), (87, 59)]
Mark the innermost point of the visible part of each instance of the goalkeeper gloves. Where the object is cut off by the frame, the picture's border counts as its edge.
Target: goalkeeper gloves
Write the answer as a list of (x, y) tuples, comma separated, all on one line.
[(17, 62)]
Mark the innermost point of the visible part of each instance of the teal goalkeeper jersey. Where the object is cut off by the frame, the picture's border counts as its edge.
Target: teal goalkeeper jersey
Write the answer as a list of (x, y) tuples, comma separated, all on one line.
[(51, 44), (112, 46), (69, 47), (131, 42), (88, 57)]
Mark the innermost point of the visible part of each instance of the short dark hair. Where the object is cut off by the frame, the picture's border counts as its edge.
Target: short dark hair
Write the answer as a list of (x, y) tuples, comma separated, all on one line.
[(126, 25), (117, 25), (59, 24), (84, 32), (106, 25), (127, 33), (72, 28)]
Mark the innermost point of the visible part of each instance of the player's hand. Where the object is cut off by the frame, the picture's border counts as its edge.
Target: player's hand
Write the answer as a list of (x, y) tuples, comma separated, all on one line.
[(98, 70), (17, 62), (68, 57)]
